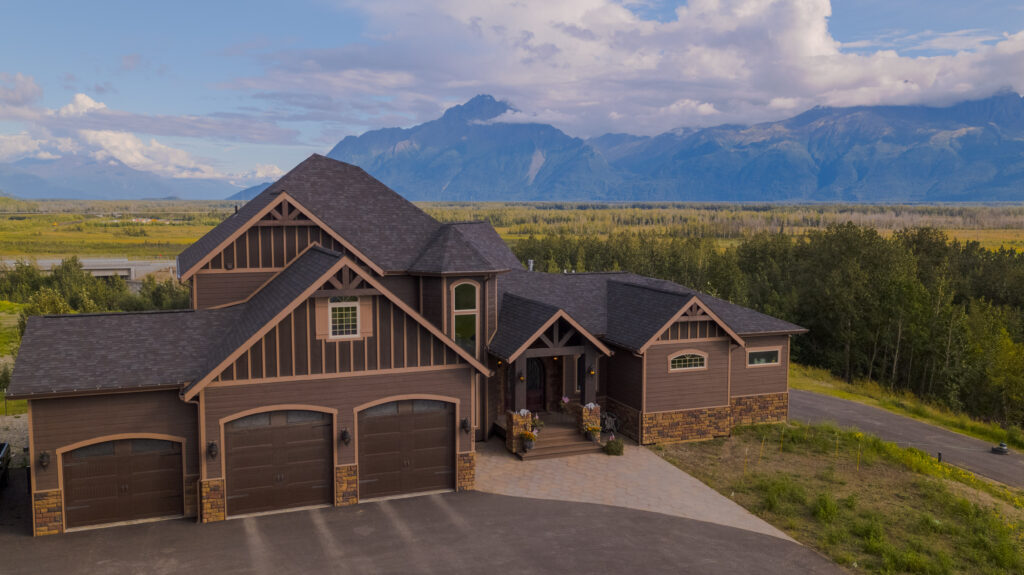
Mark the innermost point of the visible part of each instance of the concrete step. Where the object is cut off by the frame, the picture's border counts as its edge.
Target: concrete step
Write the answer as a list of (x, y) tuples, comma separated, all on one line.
[(579, 448)]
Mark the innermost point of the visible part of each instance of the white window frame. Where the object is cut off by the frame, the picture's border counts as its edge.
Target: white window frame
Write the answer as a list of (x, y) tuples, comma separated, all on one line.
[(474, 312), (776, 349), (331, 306), (702, 354)]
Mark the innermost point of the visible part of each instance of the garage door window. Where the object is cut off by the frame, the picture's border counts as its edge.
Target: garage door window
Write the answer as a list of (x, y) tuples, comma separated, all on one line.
[(304, 416), (94, 450), (251, 421), (152, 446)]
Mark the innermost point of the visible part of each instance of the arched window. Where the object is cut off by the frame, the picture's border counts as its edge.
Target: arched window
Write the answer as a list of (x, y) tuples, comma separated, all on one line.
[(465, 314), (688, 360)]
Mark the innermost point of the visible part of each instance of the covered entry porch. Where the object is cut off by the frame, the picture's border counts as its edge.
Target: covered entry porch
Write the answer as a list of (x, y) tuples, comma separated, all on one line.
[(548, 373)]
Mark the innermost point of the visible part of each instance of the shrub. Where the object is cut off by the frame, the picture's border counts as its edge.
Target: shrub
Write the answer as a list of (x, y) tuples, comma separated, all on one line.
[(825, 508), (780, 493), (614, 447)]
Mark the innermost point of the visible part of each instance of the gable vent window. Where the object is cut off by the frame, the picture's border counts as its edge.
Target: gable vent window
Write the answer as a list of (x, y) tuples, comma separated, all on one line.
[(686, 361), (465, 312), (344, 313)]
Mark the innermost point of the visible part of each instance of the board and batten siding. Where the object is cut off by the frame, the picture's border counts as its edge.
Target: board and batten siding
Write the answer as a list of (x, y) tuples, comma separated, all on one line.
[(60, 422), (687, 389), (343, 394), (214, 289), (292, 348), (754, 380), (684, 330)]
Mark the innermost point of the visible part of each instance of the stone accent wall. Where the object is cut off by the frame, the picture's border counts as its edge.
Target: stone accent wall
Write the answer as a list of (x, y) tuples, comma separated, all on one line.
[(764, 408), (47, 512), (191, 495), (586, 417), (346, 485), (465, 471), (212, 500), (688, 425), (514, 424), (628, 418)]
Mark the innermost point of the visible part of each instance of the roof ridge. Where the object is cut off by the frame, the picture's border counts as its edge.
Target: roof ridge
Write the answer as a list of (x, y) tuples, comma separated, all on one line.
[(693, 292), (535, 301), (118, 313)]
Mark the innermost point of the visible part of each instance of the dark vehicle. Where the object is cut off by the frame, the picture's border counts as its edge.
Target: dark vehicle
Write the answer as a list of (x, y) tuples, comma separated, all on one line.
[(5, 463), (1001, 449)]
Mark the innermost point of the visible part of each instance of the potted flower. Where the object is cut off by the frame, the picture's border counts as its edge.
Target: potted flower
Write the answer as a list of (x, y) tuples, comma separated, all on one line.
[(594, 433), (564, 404), (528, 438), (538, 423)]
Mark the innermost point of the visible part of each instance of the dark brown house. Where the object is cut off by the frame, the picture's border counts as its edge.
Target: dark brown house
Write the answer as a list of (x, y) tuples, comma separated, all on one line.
[(344, 346)]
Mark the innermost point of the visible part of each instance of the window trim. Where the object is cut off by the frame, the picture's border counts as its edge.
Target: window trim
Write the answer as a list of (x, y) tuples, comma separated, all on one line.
[(688, 351), (475, 311), (331, 305), (777, 349)]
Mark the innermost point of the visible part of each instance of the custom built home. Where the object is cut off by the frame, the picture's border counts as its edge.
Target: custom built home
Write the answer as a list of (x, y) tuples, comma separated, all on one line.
[(344, 346)]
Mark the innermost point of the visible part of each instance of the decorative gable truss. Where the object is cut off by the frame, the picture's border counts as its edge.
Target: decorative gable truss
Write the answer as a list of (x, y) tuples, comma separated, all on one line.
[(391, 336), (560, 335), (694, 322)]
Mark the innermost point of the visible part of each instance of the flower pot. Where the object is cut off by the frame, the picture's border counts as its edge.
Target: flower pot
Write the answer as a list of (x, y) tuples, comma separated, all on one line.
[(595, 437), (527, 444)]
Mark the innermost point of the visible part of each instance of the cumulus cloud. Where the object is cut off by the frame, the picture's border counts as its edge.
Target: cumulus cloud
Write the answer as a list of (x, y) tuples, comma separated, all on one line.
[(598, 66), (80, 105), (153, 157), (18, 90)]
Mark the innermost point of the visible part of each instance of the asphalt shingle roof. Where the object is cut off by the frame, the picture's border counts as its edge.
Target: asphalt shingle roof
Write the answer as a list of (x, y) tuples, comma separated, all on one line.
[(518, 319), (378, 222)]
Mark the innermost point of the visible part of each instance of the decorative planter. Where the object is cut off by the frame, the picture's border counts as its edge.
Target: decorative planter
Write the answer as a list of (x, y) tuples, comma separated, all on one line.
[(527, 444), (595, 437)]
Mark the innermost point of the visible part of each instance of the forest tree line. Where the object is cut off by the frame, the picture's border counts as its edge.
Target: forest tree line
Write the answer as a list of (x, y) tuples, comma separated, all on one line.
[(914, 311)]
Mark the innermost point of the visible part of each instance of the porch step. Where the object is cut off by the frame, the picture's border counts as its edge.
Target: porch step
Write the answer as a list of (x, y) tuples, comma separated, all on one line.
[(557, 440)]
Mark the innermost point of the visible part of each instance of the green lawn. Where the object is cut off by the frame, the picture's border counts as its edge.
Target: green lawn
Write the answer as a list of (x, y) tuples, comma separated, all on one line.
[(870, 393), (869, 505)]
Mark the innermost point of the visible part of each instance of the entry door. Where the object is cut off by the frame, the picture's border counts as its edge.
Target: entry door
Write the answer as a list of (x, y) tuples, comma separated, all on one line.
[(277, 460), (123, 480), (406, 447), (536, 382)]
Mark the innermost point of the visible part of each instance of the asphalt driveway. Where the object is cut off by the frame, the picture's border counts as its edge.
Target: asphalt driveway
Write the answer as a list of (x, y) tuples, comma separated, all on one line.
[(463, 533), (960, 450)]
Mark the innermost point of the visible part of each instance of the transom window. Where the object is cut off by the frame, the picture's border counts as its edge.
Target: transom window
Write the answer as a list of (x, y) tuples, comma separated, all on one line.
[(763, 357), (688, 361), (464, 315), (344, 312)]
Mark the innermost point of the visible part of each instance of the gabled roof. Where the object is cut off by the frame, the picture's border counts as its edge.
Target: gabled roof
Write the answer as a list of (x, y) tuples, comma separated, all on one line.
[(385, 227), (97, 353), (522, 320), (636, 314)]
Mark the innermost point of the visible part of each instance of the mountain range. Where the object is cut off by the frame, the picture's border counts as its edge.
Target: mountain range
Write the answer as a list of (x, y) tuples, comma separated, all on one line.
[(971, 151)]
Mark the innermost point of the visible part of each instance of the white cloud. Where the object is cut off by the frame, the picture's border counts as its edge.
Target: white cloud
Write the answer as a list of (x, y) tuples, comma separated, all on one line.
[(152, 157), (80, 105), (18, 90), (599, 67)]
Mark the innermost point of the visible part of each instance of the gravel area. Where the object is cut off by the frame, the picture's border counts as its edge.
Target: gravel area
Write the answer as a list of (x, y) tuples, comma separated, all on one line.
[(14, 430)]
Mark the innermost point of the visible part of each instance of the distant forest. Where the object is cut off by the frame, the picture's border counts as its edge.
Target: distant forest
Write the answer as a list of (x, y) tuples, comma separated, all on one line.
[(913, 310)]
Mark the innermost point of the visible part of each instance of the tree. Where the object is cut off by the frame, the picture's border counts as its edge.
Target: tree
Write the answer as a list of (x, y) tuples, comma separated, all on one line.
[(47, 301)]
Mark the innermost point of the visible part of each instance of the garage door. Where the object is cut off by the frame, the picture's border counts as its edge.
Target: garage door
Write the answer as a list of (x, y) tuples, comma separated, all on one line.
[(406, 447), (278, 460), (122, 480)]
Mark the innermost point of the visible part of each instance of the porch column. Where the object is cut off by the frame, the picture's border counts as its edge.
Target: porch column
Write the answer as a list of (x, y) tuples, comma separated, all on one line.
[(519, 384), (569, 367), (589, 392)]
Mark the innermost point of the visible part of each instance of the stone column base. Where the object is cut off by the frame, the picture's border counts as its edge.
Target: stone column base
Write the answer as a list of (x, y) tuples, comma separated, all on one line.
[(465, 472), (514, 425), (346, 485), (47, 513), (213, 505)]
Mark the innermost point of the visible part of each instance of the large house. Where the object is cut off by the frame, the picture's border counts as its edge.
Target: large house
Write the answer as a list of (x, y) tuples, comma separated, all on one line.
[(343, 346)]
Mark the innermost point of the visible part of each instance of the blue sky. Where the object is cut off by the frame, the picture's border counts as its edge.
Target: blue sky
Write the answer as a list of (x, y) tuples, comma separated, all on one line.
[(241, 91)]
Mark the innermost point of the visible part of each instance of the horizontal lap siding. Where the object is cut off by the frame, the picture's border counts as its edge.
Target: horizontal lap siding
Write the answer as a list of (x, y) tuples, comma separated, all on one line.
[(755, 380), (292, 348), (213, 289), (60, 422), (623, 378), (672, 391), (342, 393)]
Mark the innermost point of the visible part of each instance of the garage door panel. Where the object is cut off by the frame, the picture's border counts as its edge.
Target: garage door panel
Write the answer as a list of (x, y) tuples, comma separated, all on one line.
[(123, 480), (405, 447), (279, 460)]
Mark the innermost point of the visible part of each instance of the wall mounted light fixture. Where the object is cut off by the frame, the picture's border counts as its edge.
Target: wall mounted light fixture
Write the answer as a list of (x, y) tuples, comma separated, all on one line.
[(211, 449), (346, 437), (44, 459), (465, 424)]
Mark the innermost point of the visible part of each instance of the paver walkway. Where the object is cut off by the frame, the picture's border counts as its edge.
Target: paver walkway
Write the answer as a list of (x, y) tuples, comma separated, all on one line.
[(957, 449), (638, 479)]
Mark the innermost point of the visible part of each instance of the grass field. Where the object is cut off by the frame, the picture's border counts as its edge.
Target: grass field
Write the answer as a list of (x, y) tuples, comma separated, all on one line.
[(867, 504), (870, 393)]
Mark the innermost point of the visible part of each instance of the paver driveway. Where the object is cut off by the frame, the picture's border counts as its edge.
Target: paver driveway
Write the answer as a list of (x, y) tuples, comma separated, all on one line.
[(960, 450), (638, 479)]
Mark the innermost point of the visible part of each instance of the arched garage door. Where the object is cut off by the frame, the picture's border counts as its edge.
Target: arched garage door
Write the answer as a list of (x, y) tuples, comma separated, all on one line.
[(406, 447), (277, 460), (122, 480)]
